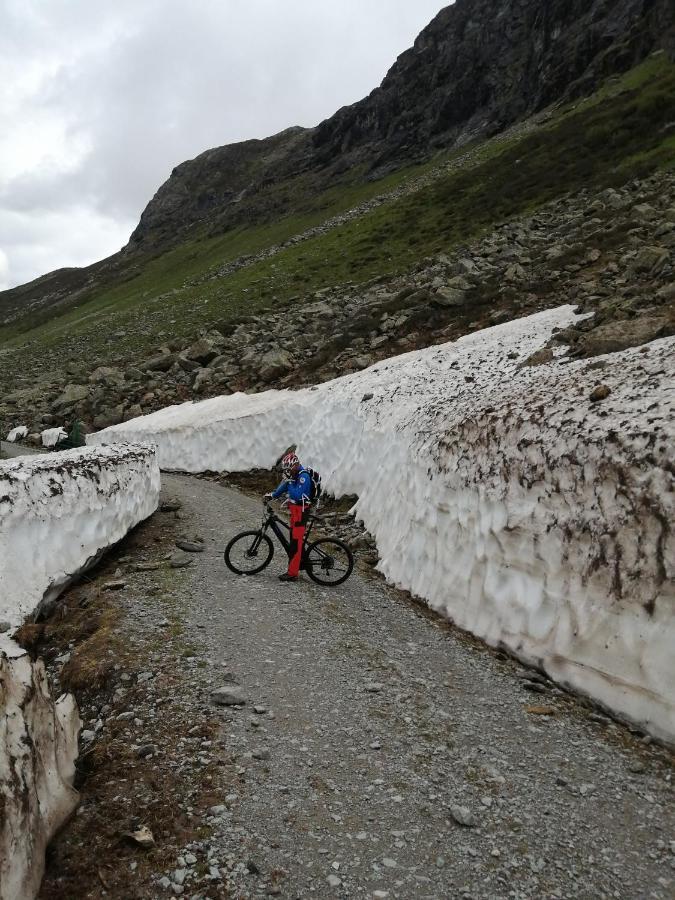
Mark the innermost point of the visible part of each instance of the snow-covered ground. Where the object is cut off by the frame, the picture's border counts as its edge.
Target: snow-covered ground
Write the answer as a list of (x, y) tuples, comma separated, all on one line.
[(17, 433), (51, 436), (58, 513), (520, 509)]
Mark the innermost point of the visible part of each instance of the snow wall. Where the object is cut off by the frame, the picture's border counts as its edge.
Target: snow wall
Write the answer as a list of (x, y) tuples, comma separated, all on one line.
[(58, 514), (500, 493)]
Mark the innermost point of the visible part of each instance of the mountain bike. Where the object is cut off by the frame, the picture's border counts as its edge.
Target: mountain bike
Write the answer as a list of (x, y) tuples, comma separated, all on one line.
[(328, 561)]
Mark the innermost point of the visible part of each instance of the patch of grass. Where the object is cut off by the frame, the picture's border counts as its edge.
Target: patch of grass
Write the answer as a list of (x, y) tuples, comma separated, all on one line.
[(90, 626), (633, 80), (92, 662)]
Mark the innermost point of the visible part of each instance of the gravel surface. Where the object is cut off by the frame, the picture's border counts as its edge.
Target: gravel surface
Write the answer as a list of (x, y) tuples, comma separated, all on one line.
[(372, 750), (10, 451), (379, 753)]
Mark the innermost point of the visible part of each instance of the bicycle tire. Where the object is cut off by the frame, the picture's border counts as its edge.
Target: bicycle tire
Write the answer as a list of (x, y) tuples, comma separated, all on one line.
[(258, 540), (319, 560)]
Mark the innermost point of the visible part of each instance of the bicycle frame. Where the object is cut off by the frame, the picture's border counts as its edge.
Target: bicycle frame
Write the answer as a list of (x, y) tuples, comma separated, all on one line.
[(283, 530)]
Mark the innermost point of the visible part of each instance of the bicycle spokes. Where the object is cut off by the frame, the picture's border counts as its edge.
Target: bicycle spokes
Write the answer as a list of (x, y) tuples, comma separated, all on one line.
[(329, 561)]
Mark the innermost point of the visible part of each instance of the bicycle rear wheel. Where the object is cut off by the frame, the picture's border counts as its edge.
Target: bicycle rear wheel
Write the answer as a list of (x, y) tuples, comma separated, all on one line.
[(249, 553), (329, 562)]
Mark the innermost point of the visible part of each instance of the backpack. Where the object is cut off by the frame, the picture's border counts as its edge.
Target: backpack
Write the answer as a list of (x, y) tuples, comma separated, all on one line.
[(316, 484)]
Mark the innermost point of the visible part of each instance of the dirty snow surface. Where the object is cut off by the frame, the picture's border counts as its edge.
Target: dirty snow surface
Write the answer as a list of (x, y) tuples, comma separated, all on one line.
[(38, 749), (59, 512), (517, 507)]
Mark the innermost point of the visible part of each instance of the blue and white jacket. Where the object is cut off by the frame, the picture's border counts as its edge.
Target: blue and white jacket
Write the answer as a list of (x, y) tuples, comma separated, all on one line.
[(299, 489)]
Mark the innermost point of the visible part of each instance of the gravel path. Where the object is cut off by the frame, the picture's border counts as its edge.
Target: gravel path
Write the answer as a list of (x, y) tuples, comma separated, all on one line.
[(11, 451), (382, 754)]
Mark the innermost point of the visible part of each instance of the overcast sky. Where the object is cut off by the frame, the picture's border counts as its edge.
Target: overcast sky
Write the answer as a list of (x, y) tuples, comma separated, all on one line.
[(100, 99)]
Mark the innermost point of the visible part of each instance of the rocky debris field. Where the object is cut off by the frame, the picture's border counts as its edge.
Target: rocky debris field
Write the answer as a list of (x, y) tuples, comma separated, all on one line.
[(248, 738), (611, 253)]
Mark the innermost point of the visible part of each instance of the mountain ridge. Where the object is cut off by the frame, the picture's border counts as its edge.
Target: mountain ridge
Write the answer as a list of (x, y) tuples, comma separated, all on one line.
[(548, 53), (450, 87)]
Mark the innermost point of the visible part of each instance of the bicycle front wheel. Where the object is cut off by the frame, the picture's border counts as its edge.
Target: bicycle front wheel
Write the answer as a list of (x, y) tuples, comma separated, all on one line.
[(329, 562), (249, 553)]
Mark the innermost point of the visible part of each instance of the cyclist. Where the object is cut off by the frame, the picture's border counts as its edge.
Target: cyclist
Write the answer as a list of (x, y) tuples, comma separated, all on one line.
[(297, 484)]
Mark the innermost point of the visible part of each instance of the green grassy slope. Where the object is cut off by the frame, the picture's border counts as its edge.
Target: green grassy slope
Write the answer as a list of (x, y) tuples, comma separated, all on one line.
[(624, 131)]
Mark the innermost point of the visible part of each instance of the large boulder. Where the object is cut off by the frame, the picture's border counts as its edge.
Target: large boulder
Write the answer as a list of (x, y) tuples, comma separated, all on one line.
[(160, 363), (107, 375), (449, 297), (203, 379), (619, 335), (274, 364), (108, 417), (72, 394), (651, 259), (645, 211), (133, 374), (202, 351), (185, 364), (666, 294)]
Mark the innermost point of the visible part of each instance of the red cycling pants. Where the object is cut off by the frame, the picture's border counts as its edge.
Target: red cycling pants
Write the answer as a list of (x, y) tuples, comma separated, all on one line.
[(298, 523)]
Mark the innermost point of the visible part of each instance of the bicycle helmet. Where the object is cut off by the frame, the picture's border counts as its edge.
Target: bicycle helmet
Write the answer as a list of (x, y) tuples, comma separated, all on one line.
[(289, 462)]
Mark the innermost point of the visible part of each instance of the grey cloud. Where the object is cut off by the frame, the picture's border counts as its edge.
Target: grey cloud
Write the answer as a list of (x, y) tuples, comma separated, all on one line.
[(147, 85), (36, 244)]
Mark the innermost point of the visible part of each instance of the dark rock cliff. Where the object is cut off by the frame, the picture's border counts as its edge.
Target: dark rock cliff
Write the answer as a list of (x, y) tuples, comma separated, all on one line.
[(480, 66), (226, 178), (483, 64)]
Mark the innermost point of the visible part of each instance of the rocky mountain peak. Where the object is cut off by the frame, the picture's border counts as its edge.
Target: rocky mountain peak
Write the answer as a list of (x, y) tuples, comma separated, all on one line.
[(478, 67), (481, 65), (219, 178)]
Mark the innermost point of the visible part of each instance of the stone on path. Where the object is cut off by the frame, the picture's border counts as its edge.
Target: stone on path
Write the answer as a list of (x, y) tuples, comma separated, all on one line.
[(463, 816), (190, 546), (601, 392), (228, 696), (180, 561)]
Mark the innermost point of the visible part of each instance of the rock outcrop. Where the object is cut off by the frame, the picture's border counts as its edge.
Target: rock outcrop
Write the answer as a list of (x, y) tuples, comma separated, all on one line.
[(484, 64), (233, 178), (477, 68)]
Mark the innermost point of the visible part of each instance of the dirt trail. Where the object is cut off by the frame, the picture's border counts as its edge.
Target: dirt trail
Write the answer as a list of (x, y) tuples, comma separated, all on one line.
[(368, 723), (10, 451), (379, 753)]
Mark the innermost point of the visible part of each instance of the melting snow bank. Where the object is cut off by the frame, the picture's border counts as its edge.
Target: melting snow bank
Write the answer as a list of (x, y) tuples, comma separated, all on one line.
[(57, 516), (520, 509), (38, 748), (59, 513)]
